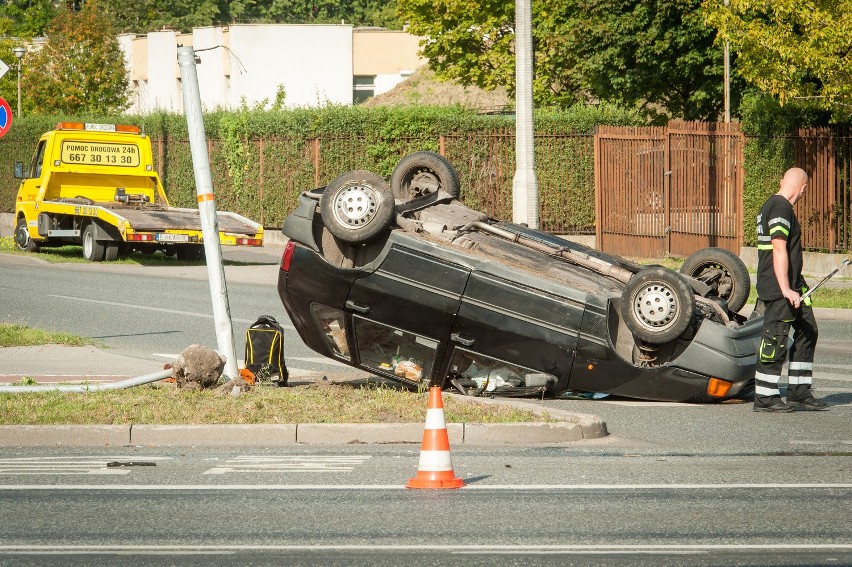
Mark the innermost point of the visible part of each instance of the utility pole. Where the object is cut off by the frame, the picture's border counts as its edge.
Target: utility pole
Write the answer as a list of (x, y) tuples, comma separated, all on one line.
[(19, 54), (524, 184)]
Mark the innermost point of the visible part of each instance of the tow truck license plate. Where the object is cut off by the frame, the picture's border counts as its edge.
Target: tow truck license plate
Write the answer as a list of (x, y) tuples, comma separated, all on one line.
[(166, 237)]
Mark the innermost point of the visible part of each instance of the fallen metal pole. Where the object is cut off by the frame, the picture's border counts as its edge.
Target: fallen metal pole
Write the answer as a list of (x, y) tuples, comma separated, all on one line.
[(84, 388)]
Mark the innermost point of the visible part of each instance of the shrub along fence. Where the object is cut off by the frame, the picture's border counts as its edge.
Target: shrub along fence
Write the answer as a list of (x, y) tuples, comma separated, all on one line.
[(261, 162)]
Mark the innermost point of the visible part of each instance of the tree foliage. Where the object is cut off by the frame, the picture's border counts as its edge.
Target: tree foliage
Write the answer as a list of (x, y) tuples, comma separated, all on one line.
[(25, 18), (147, 15), (656, 54), (793, 49), (80, 67)]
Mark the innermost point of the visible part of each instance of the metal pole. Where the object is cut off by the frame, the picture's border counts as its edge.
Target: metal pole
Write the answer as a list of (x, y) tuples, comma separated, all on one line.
[(727, 77), (207, 209), (19, 87), (524, 184)]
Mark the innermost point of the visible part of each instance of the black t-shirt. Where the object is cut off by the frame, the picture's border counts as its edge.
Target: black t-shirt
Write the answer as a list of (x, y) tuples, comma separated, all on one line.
[(777, 219)]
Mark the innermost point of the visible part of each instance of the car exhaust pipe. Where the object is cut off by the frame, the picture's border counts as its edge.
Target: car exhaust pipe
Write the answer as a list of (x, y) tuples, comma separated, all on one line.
[(578, 258)]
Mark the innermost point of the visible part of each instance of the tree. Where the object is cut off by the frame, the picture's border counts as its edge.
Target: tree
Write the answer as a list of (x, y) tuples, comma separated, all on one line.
[(656, 54), (793, 49), (80, 67), (148, 15), (25, 18)]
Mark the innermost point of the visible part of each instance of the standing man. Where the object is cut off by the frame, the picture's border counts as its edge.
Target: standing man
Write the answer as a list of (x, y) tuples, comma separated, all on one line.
[(779, 288)]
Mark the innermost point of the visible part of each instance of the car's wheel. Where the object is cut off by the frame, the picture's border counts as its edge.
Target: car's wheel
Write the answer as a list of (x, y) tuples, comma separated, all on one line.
[(93, 251), (723, 271), (657, 305), (357, 207), (422, 173), (22, 237)]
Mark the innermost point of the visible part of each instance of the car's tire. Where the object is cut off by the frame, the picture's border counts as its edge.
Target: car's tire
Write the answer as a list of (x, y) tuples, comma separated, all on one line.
[(93, 251), (357, 207), (422, 173), (657, 305), (723, 271), (111, 252), (22, 237)]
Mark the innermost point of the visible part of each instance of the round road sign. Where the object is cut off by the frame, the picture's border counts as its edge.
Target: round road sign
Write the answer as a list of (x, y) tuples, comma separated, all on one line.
[(5, 117)]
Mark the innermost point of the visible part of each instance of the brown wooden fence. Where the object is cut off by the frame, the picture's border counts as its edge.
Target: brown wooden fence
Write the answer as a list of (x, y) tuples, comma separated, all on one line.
[(668, 190), (642, 191), (824, 212)]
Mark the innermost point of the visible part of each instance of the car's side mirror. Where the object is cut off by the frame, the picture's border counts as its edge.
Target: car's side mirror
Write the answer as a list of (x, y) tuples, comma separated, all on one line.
[(19, 170)]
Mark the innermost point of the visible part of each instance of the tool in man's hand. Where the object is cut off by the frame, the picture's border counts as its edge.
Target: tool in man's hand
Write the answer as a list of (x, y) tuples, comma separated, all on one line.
[(843, 264)]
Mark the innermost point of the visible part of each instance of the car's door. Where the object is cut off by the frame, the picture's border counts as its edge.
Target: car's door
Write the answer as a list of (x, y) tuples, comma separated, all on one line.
[(403, 312), (508, 323)]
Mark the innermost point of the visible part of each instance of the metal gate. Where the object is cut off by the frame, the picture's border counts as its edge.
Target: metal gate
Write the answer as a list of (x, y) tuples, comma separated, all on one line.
[(668, 190)]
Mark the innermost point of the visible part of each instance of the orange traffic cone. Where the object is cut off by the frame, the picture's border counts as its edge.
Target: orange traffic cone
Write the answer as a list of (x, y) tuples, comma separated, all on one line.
[(435, 469)]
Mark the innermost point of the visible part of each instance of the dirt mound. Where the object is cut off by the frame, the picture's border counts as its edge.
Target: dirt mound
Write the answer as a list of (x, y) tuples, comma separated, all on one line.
[(198, 368), (424, 88)]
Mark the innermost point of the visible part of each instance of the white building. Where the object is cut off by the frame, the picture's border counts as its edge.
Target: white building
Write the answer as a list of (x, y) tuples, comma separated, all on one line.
[(251, 63)]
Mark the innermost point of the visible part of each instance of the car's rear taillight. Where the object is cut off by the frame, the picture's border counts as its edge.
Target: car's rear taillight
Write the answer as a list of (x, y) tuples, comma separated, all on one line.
[(287, 256), (718, 388)]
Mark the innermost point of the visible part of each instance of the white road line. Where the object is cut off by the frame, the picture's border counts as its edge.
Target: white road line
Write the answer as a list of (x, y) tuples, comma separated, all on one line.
[(496, 487), (67, 465), (453, 548), (290, 463), (158, 309), (317, 360), (817, 442)]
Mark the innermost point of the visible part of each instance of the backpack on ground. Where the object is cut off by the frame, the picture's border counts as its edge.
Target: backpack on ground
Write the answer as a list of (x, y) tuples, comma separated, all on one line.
[(265, 350)]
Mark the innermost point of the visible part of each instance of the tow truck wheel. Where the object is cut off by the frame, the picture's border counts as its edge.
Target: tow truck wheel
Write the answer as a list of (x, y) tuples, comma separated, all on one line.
[(111, 252), (22, 237), (190, 252), (657, 305), (93, 251)]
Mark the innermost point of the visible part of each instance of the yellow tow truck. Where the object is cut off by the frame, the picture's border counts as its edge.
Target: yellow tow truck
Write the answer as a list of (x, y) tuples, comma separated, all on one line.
[(95, 185)]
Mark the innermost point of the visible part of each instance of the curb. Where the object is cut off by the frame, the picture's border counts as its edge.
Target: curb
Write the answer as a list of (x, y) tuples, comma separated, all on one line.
[(573, 427), (530, 433)]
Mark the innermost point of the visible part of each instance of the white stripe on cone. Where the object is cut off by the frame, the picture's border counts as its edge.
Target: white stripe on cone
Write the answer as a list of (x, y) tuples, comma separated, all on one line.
[(435, 461), (435, 419)]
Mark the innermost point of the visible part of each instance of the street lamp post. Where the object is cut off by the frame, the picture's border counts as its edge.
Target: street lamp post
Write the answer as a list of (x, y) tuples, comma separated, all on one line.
[(19, 53)]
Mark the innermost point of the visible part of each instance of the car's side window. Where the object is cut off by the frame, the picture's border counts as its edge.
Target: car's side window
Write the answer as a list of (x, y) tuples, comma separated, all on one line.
[(333, 324), (476, 370), (393, 351)]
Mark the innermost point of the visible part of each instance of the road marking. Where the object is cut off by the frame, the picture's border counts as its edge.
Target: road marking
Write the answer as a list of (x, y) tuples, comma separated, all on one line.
[(648, 404), (158, 309), (496, 487), (452, 548), (289, 463), (67, 465), (811, 442), (318, 360)]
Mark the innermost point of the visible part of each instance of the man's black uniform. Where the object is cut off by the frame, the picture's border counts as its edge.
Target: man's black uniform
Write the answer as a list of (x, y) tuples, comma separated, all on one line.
[(777, 220)]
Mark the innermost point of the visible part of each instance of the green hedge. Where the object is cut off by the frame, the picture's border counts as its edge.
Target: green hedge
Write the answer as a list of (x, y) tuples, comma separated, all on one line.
[(262, 159), (769, 151)]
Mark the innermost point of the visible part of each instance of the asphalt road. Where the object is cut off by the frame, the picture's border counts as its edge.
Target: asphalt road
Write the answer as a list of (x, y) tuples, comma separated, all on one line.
[(673, 484), (346, 506)]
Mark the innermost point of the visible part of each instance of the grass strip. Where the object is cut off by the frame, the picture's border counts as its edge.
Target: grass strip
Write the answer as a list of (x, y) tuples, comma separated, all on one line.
[(317, 403), (15, 334)]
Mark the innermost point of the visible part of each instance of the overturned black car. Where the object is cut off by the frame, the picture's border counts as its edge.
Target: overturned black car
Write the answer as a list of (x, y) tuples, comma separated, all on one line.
[(406, 282)]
